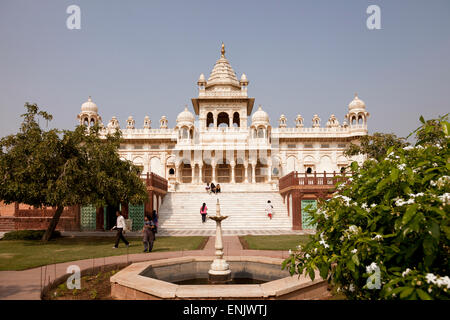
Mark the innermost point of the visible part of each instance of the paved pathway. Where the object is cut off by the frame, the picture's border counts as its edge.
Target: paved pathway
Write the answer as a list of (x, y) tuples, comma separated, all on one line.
[(26, 285), (194, 232)]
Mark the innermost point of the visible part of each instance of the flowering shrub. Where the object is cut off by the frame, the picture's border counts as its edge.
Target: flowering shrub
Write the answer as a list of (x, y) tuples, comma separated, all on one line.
[(385, 234)]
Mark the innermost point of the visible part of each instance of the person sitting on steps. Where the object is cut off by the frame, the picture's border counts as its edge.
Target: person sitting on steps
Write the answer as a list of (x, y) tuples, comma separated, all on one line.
[(218, 188), (213, 187), (208, 188)]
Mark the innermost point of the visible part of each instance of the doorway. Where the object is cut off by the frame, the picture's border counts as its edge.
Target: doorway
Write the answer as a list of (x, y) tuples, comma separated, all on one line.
[(110, 216)]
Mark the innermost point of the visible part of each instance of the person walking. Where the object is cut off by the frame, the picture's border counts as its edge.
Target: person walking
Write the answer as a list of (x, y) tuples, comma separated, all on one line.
[(269, 209), (120, 227), (149, 235), (203, 212), (155, 222)]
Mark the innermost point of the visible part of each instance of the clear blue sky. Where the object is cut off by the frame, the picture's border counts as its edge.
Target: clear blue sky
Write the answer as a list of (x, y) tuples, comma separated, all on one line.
[(144, 57)]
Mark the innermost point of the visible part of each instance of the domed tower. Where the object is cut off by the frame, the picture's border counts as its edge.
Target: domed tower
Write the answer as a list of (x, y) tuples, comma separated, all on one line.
[(89, 114), (282, 121), (222, 99), (357, 114), (316, 121), (299, 121), (185, 125), (130, 123), (147, 122), (332, 122), (163, 122), (260, 127)]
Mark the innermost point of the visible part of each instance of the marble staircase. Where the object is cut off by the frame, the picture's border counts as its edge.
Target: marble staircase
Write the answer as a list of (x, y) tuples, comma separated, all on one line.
[(245, 211)]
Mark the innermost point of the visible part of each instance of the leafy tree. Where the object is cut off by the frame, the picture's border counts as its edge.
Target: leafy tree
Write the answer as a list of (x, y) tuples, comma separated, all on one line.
[(388, 226), (375, 146), (60, 168)]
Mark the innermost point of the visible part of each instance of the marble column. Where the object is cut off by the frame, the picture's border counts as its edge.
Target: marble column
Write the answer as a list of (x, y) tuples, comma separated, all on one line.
[(192, 172), (253, 172), (233, 166), (200, 174), (246, 172), (213, 166), (269, 173)]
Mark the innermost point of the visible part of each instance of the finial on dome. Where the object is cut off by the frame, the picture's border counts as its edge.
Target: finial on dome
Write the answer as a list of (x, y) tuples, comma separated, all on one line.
[(259, 107), (90, 99), (356, 94), (223, 50)]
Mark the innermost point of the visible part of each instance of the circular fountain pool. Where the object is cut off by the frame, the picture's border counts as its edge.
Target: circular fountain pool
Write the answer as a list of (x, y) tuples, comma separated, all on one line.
[(186, 278)]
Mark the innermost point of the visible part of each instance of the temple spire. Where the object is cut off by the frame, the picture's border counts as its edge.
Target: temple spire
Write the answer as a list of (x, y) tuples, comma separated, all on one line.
[(223, 50)]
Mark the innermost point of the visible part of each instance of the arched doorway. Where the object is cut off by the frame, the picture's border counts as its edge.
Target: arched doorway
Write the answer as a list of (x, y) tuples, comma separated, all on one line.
[(209, 120), (236, 120)]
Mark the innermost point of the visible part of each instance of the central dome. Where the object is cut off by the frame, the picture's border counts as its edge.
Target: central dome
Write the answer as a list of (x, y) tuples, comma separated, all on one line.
[(222, 73)]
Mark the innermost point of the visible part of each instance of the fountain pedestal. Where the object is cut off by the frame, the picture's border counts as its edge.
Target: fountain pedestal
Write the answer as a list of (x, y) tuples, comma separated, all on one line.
[(219, 271)]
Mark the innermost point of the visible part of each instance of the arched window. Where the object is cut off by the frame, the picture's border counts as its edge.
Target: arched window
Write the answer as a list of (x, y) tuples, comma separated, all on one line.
[(184, 133), (260, 132), (223, 119), (309, 170), (92, 122), (342, 169), (353, 120), (209, 120), (360, 120), (86, 122), (236, 120), (172, 171)]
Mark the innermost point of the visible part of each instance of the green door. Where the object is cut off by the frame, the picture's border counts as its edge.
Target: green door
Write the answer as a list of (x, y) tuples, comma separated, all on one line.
[(306, 216), (88, 218), (136, 214)]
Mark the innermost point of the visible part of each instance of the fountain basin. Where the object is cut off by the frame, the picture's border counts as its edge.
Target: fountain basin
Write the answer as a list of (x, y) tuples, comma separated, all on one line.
[(158, 280)]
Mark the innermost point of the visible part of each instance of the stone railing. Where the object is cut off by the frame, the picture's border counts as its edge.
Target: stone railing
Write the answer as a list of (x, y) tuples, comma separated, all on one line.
[(300, 180), (156, 181)]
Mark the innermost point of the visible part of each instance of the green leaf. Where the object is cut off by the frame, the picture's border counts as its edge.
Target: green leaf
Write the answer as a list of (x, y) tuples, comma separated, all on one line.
[(423, 295), (406, 292), (409, 214), (355, 259), (394, 174)]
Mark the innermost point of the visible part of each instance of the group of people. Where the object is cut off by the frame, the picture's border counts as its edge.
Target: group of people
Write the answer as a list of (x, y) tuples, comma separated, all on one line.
[(149, 230), (212, 188)]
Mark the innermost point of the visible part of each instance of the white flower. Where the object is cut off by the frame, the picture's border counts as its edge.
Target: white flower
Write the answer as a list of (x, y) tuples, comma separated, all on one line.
[(351, 288), (290, 251), (402, 166), (433, 183), (378, 237), (373, 205), (364, 206), (401, 202), (408, 148), (442, 181), (372, 267), (445, 198), (435, 164), (346, 199), (430, 278), (390, 154), (307, 256), (322, 242), (406, 272), (354, 251)]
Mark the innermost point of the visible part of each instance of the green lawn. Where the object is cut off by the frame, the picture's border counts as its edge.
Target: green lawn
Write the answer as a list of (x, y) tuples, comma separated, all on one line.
[(282, 242), (25, 254)]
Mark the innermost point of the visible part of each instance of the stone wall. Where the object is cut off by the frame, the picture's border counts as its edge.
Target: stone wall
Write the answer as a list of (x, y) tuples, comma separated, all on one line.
[(24, 217)]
